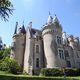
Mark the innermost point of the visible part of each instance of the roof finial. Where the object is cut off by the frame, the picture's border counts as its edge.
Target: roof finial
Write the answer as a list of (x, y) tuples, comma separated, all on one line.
[(30, 25), (23, 22), (49, 13), (50, 19), (16, 28), (55, 14), (55, 19)]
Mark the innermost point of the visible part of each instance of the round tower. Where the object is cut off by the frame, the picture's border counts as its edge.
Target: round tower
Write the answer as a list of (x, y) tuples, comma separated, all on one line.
[(51, 30), (18, 45)]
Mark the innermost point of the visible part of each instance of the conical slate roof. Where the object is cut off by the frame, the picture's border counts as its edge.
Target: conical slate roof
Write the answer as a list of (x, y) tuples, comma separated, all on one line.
[(55, 19), (50, 19), (15, 32), (23, 29)]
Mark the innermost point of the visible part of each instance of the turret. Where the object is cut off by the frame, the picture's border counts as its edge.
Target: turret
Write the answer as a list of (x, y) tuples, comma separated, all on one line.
[(28, 60), (55, 19), (50, 19), (18, 45), (52, 39)]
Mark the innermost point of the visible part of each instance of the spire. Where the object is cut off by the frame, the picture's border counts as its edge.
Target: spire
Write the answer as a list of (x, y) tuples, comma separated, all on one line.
[(50, 18), (15, 32), (55, 19), (23, 29), (30, 25)]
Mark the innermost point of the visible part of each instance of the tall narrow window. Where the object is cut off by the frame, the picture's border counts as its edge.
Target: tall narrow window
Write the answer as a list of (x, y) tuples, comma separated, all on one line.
[(37, 62), (37, 48), (59, 41), (61, 54)]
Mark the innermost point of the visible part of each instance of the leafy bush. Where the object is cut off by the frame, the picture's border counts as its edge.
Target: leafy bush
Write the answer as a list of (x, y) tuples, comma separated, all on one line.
[(1, 54), (51, 72), (60, 72), (71, 72), (5, 53), (4, 66), (10, 65)]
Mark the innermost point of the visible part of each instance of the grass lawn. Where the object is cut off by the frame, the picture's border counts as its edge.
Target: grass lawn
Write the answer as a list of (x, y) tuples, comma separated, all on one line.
[(9, 76)]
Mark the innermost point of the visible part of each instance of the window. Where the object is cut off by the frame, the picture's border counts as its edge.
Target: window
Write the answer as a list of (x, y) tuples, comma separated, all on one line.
[(37, 62), (66, 53), (61, 54), (55, 30), (37, 48), (68, 63), (59, 41)]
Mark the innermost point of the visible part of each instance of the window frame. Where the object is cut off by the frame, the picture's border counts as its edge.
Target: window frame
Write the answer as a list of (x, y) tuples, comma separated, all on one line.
[(37, 63), (62, 56), (37, 50), (59, 38)]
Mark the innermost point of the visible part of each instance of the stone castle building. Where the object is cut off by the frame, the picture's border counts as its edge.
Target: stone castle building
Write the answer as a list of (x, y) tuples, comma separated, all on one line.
[(49, 47)]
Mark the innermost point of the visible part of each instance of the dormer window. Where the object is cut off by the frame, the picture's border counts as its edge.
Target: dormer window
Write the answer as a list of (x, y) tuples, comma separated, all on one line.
[(59, 40)]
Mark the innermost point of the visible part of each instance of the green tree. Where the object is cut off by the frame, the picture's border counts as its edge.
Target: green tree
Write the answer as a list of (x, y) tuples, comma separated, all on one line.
[(6, 8), (5, 53), (1, 54), (10, 65)]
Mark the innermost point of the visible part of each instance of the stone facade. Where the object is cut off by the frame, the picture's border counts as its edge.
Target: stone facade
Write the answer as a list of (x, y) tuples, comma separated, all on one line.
[(49, 47)]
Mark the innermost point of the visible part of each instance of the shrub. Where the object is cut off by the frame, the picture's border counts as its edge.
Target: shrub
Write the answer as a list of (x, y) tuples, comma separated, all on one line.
[(51, 72), (5, 53), (71, 71), (60, 72), (4, 66), (13, 66), (10, 65)]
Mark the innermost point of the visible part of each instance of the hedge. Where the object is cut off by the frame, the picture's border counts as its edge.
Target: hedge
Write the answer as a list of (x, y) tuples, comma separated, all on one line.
[(60, 72)]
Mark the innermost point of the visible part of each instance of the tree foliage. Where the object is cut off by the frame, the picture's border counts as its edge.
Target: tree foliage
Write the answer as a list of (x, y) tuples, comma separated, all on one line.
[(10, 65), (6, 8), (5, 53)]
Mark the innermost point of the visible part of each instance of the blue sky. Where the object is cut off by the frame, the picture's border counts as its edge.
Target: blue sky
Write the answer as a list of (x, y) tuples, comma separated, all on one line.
[(67, 11)]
